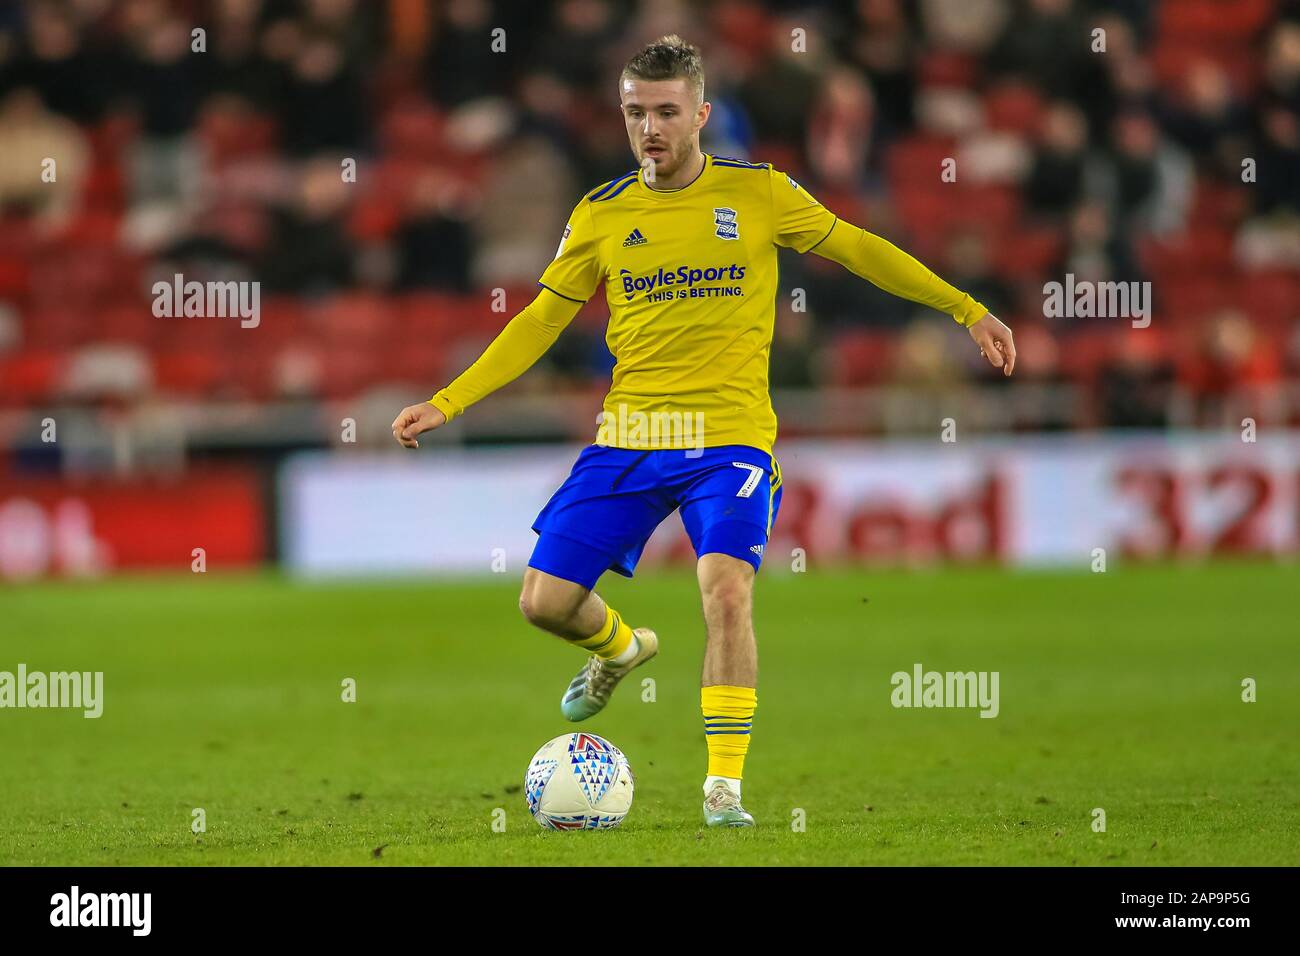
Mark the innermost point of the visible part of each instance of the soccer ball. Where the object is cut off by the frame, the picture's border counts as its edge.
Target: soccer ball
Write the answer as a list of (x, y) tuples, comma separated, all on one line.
[(578, 782)]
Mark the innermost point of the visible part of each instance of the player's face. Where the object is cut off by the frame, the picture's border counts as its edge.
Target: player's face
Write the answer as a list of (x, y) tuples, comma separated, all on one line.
[(662, 120)]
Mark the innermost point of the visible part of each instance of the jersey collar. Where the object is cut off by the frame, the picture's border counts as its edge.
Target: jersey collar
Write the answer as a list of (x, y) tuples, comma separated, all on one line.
[(670, 193)]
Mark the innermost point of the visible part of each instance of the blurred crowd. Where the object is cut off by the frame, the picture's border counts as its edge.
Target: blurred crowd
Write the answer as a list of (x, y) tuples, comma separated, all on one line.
[(381, 167)]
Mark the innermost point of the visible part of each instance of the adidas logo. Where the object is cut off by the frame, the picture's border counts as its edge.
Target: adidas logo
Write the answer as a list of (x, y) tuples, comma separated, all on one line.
[(635, 239), (757, 549)]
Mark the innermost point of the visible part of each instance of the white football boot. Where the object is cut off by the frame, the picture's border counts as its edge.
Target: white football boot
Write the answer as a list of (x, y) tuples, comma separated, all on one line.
[(722, 808), (588, 693)]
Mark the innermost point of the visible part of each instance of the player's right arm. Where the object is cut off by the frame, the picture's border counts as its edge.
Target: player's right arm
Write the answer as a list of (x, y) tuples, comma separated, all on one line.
[(568, 282)]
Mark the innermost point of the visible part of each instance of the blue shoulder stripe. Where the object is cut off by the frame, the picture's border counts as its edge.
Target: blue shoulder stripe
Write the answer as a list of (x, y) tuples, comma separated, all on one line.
[(609, 185), (738, 163), (624, 184)]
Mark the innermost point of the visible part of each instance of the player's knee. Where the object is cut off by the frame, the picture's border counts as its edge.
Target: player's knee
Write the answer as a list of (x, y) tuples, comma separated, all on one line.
[(544, 608), (530, 608), (727, 595)]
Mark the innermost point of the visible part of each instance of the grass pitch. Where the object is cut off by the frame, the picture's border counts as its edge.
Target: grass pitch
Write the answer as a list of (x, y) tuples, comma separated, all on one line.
[(1119, 691)]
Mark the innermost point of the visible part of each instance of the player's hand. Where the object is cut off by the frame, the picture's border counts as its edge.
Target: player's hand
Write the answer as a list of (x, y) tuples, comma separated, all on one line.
[(994, 340), (415, 419)]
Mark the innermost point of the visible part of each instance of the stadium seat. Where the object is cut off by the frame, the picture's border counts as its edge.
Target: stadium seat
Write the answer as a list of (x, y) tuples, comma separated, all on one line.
[(861, 357), (15, 276), (1014, 108), (190, 373), (31, 376)]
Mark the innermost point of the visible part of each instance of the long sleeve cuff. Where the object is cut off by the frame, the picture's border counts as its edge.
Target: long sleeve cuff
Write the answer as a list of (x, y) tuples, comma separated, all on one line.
[(443, 403)]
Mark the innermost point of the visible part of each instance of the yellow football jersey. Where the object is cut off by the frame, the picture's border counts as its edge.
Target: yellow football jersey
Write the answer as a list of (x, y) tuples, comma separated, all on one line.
[(690, 276)]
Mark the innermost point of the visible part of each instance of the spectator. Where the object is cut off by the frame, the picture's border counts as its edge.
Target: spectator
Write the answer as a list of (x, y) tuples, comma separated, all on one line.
[(473, 145), (1151, 185), (434, 242), (1056, 179), (309, 251), (321, 105), (1231, 357), (793, 359), (32, 138), (1135, 387), (1208, 120), (967, 267)]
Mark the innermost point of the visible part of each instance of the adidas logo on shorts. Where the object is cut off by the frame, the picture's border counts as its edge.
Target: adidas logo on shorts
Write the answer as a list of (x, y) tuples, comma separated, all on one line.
[(757, 549), (635, 239)]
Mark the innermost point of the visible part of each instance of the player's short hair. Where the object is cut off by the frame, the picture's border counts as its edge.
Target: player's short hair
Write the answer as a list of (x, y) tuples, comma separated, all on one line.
[(669, 58)]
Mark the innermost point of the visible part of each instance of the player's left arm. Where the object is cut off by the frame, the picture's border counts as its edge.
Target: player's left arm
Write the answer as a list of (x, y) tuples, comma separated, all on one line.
[(805, 225), (884, 264)]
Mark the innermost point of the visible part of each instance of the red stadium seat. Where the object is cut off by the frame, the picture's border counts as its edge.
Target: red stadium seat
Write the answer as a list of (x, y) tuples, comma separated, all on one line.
[(59, 327), (1173, 61), (228, 132), (130, 322), (15, 276), (1014, 108), (412, 128), (190, 373), (918, 160), (283, 318), (989, 207), (418, 362), (1213, 20), (348, 371), (104, 192), (861, 357), (1271, 298), (354, 319), (1216, 206), (1198, 252), (948, 68), (31, 376), (1027, 252), (1083, 352)]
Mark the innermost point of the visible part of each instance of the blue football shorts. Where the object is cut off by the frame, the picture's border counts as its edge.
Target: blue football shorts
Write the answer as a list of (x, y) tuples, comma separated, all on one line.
[(602, 516)]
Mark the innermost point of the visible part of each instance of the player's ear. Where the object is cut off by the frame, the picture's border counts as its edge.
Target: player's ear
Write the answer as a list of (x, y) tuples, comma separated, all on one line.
[(702, 114)]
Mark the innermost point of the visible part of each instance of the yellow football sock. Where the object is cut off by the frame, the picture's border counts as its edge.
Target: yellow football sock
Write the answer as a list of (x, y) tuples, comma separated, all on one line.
[(728, 716), (611, 640)]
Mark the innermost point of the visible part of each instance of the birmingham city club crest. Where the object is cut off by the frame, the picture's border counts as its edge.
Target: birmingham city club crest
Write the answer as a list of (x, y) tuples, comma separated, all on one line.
[(725, 220)]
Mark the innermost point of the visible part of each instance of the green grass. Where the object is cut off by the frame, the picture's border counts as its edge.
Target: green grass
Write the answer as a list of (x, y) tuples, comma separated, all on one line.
[(1118, 690)]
